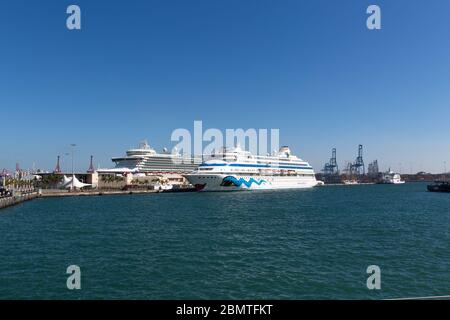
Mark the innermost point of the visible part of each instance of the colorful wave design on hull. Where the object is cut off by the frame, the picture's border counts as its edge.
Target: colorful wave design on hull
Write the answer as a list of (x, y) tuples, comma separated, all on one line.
[(233, 181)]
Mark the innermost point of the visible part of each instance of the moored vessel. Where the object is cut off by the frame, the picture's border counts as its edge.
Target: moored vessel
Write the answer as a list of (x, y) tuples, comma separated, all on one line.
[(236, 169), (146, 160), (350, 182), (439, 186), (391, 177)]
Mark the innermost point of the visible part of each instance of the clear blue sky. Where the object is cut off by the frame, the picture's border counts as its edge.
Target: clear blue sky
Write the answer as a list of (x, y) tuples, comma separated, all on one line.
[(140, 69)]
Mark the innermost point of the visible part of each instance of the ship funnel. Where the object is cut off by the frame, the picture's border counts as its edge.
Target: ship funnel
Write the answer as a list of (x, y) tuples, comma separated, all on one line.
[(144, 144), (285, 150)]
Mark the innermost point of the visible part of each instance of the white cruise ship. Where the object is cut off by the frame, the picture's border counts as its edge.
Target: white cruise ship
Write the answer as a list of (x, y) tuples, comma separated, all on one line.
[(145, 159), (236, 169)]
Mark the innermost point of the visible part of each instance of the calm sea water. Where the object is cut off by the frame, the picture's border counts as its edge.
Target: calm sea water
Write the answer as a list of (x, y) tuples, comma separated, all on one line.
[(303, 244)]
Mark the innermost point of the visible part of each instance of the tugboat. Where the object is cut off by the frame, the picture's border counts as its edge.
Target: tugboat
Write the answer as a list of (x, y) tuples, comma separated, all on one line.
[(439, 186), (391, 177)]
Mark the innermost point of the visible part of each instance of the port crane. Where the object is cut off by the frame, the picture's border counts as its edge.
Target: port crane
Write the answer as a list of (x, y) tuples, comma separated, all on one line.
[(373, 168), (331, 168), (357, 167)]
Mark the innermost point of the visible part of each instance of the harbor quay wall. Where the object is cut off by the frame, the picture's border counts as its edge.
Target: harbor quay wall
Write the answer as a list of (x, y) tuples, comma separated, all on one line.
[(112, 191), (13, 200), (16, 199)]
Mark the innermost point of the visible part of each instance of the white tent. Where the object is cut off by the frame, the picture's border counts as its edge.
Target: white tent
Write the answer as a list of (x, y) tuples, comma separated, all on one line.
[(67, 183)]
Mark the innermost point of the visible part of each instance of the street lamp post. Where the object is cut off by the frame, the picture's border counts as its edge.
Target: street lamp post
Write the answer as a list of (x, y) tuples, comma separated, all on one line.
[(73, 145)]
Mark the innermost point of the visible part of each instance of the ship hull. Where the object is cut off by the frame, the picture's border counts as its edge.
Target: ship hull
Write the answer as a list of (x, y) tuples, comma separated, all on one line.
[(392, 182), (439, 188), (236, 182)]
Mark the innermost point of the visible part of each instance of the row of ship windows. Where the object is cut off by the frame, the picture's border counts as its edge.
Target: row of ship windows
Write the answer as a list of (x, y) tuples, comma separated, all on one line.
[(280, 162), (252, 171), (276, 175)]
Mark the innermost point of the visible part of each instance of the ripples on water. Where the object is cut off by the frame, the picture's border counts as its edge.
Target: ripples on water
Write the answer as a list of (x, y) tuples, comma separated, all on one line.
[(297, 244)]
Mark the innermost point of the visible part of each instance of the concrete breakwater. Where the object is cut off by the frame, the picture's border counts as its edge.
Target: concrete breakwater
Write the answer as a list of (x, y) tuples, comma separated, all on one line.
[(12, 200)]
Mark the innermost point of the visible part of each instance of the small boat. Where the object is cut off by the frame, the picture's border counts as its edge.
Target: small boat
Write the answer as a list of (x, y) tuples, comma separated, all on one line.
[(439, 186), (391, 177), (159, 186)]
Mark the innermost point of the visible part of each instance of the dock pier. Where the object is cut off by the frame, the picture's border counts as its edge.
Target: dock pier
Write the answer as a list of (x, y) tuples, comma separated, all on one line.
[(16, 199)]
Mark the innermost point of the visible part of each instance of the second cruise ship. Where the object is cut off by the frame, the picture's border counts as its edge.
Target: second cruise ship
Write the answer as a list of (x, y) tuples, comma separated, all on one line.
[(146, 160), (236, 169)]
